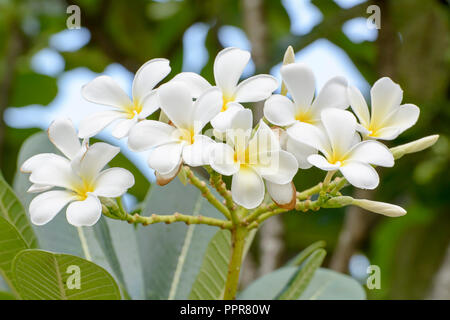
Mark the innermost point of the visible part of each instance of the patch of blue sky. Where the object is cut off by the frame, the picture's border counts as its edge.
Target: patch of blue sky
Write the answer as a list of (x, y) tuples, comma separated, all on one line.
[(357, 30), (195, 55), (48, 61), (231, 36), (303, 15), (348, 3), (70, 39)]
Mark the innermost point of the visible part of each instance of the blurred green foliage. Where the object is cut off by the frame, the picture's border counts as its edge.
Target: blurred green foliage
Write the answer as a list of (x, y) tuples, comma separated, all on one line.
[(412, 48)]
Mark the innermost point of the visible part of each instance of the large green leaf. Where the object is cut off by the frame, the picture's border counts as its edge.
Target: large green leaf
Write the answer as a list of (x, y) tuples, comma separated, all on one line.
[(210, 281), (33, 88), (42, 275), (11, 243), (12, 210), (299, 282), (110, 244), (172, 254), (325, 285)]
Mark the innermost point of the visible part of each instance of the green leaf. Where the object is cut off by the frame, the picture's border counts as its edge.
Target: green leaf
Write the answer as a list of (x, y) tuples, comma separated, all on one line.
[(12, 210), (172, 254), (210, 282), (298, 283), (11, 243), (91, 243), (42, 275), (325, 285), (40, 89), (305, 253), (6, 296)]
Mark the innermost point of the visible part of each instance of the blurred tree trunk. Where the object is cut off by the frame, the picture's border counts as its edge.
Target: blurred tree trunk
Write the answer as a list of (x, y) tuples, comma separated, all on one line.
[(440, 288), (358, 222)]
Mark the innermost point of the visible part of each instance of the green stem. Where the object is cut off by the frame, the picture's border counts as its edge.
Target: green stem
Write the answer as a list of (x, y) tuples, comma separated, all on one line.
[(177, 217), (201, 185), (238, 235)]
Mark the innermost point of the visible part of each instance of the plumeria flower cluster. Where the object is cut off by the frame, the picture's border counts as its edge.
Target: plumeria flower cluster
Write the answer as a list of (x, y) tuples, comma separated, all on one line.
[(298, 131)]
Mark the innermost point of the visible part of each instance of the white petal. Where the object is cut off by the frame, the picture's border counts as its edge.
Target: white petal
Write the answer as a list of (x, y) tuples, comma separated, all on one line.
[(56, 172), (84, 213), (36, 188), (241, 128), (122, 128), (176, 102), (403, 118), (198, 153), (372, 152), (46, 206), (247, 188), (387, 133), (300, 82), (322, 163), (113, 182), (166, 157), (300, 151), (149, 133), (96, 122), (222, 159), (359, 174), (280, 168), (96, 158), (256, 88), (150, 103), (359, 105), (340, 126), (279, 110), (163, 179), (196, 83), (222, 121), (104, 90), (39, 160), (264, 141), (148, 76), (228, 67), (206, 107), (310, 135), (386, 95), (284, 195), (63, 135), (332, 95)]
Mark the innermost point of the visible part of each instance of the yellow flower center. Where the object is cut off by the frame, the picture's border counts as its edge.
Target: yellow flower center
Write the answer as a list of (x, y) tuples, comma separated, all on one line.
[(226, 99), (133, 109), (304, 116), (82, 189), (186, 135)]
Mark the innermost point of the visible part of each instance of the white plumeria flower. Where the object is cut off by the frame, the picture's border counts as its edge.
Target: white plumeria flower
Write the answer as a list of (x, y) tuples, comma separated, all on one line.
[(228, 67), (253, 160), (281, 111), (182, 141), (342, 152), (79, 176), (388, 118), (104, 90)]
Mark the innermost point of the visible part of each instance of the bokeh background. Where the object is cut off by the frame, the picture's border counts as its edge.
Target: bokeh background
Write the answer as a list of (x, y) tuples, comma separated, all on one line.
[(43, 66)]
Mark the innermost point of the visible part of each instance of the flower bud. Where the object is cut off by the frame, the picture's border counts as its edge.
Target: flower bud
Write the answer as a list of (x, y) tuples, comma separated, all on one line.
[(338, 202), (289, 57), (414, 146), (111, 209), (387, 209)]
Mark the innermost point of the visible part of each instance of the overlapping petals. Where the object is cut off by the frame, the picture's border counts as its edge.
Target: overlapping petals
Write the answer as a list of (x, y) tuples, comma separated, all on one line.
[(281, 111), (388, 117), (79, 175), (182, 141), (228, 67), (104, 90), (341, 151), (251, 160)]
